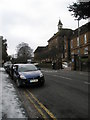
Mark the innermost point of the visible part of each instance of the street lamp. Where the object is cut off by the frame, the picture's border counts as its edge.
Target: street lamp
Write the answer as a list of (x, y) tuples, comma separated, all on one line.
[(79, 54)]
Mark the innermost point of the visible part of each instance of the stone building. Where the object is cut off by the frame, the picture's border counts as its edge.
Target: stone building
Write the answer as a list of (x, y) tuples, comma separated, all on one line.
[(40, 53), (58, 48)]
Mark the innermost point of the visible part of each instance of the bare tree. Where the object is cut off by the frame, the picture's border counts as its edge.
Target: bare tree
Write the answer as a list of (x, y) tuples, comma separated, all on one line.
[(24, 52)]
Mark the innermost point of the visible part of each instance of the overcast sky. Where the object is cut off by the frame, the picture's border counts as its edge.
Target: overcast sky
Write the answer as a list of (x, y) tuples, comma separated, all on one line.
[(33, 21)]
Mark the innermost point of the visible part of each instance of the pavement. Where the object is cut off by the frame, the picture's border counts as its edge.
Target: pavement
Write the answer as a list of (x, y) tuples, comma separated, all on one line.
[(10, 105)]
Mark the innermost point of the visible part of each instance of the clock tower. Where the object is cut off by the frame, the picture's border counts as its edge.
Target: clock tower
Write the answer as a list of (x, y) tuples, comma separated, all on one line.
[(60, 25)]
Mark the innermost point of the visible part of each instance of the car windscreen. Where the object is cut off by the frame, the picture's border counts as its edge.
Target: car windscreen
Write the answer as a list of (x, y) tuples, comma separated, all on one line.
[(26, 68)]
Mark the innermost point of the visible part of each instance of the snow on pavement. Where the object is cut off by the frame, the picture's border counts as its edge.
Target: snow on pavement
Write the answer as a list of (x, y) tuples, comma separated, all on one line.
[(0, 94), (10, 105)]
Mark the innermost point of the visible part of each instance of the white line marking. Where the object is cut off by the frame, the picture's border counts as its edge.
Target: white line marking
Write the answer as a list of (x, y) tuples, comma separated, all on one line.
[(61, 77), (86, 82)]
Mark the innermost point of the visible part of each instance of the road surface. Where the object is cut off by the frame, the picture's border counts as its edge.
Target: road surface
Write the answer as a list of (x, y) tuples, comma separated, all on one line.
[(64, 95)]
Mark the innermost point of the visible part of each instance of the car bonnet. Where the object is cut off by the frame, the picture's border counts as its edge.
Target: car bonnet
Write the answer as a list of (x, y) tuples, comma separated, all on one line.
[(30, 74)]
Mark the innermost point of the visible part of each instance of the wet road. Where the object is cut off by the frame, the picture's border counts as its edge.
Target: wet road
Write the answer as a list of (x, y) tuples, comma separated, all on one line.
[(64, 95)]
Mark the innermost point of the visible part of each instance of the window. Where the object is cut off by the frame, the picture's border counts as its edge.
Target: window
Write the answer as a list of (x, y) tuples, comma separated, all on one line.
[(85, 39), (72, 53), (65, 44), (65, 55), (78, 51), (77, 41), (86, 50), (71, 43)]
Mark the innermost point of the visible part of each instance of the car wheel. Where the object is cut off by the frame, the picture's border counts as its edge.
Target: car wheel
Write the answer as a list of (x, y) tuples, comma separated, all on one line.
[(18, 83)]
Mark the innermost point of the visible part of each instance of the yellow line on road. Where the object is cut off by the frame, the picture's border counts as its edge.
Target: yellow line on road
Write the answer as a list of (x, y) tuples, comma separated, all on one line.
[(39, 110), (42, 106)]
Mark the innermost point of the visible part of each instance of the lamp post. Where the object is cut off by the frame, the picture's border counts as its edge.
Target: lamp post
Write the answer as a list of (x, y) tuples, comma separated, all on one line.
[(60, 44), (79, 54)]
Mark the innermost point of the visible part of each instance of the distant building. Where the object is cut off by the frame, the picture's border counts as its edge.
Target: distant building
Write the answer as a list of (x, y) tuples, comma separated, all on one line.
[(40, 53), (58, 46)]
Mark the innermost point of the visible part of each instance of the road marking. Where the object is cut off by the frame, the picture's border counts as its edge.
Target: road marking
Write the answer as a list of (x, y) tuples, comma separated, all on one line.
[(42, 106), (50, 71), (87, 83), (39, 110), (61, 77)]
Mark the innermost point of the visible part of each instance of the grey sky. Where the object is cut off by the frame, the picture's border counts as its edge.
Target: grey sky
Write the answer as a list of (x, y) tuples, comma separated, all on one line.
[(33, 21)]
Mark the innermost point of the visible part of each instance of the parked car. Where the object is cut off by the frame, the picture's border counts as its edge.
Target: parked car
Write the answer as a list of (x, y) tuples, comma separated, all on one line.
[(64, 65), (27, 74), (11, 70), (37, 65), (7, 66)]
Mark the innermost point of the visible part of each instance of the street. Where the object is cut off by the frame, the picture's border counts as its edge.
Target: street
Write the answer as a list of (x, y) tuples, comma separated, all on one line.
[(64, 95)]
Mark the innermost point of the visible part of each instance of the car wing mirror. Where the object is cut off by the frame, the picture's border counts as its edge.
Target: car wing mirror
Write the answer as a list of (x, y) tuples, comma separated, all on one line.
[(38, 68), (15, 68)]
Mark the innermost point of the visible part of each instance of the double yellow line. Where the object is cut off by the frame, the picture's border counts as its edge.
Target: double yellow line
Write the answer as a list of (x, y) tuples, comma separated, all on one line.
[(40, 104)]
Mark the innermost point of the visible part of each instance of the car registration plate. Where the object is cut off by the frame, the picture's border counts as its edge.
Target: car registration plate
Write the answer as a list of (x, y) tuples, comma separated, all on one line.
[(34, 80)]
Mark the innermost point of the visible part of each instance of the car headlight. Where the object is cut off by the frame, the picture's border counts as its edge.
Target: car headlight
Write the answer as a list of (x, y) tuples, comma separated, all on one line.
[(41, 75), (22, 77)]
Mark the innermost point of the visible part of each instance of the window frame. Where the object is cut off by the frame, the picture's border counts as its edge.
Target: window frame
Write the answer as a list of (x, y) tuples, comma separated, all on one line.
[(78, 41)]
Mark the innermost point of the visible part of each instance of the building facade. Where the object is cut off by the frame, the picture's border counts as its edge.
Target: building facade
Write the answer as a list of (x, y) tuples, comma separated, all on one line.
[(1, 38), (40, 54), (58, 48), (60, 44), (67, 45), (80, 44)]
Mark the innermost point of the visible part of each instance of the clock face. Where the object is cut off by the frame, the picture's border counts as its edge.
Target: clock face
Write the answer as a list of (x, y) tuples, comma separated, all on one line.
[(59, 26)]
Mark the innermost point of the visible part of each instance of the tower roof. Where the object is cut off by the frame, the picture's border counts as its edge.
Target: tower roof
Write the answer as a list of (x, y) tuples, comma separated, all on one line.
[(60, 23)]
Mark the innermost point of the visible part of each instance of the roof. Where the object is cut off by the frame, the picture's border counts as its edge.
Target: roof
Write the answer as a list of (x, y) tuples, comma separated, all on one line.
[(60, 23), (40, 48), (83, 29), (64, 32)]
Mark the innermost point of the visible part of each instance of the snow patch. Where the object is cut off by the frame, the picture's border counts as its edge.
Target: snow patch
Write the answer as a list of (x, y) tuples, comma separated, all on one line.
[(10, 104)]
